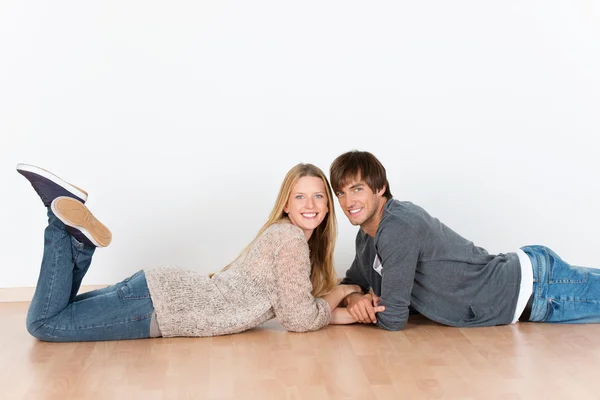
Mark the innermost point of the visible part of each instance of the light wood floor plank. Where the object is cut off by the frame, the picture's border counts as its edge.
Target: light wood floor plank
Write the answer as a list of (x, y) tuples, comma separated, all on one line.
[(425, 361)]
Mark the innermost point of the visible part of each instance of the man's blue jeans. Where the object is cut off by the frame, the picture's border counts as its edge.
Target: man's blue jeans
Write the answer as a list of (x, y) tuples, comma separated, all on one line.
[(562, 293), (58, 314)]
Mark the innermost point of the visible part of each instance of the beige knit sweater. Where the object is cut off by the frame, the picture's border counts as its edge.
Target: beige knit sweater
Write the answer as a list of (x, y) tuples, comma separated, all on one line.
[(272, 280)]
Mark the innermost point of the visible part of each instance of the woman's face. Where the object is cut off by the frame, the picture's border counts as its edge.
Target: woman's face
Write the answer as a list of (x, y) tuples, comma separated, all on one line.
[(307, 205)]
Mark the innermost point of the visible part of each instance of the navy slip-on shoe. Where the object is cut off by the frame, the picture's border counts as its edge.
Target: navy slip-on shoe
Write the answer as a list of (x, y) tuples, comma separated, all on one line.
[(49, 186)]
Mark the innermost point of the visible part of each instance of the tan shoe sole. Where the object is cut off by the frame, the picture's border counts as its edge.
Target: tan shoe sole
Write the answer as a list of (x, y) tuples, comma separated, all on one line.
[(75, 214)]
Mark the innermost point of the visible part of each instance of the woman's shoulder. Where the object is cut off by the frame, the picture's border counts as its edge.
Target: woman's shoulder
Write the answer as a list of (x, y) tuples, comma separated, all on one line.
[(280, 234), (283, 229), (287, 242)]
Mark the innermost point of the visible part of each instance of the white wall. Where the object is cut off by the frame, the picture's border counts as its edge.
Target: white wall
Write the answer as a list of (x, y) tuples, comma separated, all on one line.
[(181, 119)]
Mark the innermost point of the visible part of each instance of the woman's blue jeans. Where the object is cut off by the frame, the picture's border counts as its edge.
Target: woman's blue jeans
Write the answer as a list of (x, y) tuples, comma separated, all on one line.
[(562, 293), (58, 314)]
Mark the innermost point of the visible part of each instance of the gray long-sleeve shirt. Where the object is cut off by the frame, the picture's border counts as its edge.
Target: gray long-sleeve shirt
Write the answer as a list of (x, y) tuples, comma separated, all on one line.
[(428, 266)]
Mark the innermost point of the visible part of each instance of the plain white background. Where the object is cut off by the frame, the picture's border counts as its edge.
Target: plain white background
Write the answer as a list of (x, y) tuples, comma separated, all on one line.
[(181, 119)]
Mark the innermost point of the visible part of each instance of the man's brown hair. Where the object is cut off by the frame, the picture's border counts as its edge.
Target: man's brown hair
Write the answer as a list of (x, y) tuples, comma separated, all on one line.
[(363, 165)]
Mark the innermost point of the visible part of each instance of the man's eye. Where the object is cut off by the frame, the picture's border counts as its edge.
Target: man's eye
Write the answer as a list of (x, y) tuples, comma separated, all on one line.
[(339, 194)]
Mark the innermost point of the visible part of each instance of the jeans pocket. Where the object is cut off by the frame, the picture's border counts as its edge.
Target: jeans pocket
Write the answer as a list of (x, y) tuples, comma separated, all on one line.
[(559, 272), (135, 287)]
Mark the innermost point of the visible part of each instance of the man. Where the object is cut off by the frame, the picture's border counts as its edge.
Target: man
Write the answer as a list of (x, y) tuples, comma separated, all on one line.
[(410, 259)]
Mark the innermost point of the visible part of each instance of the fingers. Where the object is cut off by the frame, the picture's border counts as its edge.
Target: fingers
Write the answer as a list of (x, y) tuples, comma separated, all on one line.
[(354, 314), (376, 300), (362, 311), (365, 313), (354, 310), (371, 313), (364, 308), (373, 310)]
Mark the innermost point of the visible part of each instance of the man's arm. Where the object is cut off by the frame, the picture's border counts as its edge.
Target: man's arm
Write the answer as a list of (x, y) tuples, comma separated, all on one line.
[(359, 306), (355, 276), (398, 248)]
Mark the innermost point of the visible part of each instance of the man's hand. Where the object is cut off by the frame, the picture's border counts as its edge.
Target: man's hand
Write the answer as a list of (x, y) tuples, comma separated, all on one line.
[(364, 307), (376, 300)]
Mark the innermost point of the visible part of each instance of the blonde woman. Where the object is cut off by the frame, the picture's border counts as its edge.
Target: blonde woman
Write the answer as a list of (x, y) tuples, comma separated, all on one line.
[(286, 272)]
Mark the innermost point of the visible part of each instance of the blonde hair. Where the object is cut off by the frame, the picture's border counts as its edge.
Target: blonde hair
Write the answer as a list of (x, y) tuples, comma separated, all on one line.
[(321, 242)]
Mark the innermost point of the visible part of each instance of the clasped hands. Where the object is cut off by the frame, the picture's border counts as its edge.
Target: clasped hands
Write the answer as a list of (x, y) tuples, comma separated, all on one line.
[(363, 307)]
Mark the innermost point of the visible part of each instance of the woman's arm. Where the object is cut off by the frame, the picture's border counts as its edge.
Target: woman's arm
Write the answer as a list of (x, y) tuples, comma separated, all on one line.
[(339, 292), (294, 305), (341, 316)]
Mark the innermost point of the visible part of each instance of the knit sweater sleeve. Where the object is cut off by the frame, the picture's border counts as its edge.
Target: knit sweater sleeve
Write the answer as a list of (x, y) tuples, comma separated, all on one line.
[(295, 306)]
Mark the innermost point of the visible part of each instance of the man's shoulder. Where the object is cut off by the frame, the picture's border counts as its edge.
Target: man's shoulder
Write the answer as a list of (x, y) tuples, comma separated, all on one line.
[(402, 219), (401, 212)]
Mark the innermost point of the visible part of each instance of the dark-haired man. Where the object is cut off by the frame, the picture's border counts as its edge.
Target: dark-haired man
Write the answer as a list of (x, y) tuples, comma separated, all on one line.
[(407, 258)]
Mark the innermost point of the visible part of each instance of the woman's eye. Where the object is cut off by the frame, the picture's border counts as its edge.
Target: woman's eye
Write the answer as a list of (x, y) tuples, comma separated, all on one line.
[(299, 197), (319, 196)]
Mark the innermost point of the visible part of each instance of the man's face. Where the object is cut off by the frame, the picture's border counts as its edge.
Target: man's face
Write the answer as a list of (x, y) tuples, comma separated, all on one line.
[(358, 201)]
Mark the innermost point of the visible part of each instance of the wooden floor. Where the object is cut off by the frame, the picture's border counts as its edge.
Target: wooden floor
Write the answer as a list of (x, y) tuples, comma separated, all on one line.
[(425, 361)]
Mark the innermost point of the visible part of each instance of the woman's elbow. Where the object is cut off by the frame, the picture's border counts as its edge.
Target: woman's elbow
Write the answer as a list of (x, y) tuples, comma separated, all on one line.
[(305, 324), (299, 328)]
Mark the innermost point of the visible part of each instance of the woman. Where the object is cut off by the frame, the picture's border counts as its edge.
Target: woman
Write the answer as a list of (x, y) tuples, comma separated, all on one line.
[(285, 272)]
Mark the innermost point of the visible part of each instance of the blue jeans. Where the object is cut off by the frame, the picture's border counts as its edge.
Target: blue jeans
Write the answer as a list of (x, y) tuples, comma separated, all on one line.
[(58, 314), (562, 293)]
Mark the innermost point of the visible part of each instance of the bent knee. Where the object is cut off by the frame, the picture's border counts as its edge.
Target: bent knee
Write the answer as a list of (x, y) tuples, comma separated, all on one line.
[(41, 332)]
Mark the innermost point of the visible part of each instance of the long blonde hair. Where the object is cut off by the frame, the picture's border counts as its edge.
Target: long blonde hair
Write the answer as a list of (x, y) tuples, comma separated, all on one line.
[(321, 242)]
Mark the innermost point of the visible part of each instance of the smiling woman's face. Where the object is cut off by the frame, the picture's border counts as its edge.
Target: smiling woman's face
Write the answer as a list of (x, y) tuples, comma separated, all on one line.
[(307, 205)]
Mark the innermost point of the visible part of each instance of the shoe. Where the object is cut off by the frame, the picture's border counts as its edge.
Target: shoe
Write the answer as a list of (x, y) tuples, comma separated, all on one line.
[(83, 225), (49, 186)]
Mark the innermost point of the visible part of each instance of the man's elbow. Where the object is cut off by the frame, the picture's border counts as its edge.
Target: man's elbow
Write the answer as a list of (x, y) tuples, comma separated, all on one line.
[(391, 324)]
